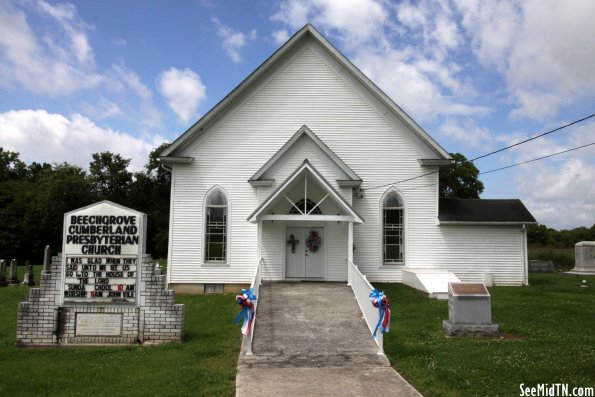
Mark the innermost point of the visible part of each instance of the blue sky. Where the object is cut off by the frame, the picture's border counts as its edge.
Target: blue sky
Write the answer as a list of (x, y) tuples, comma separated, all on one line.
[(125, 76)]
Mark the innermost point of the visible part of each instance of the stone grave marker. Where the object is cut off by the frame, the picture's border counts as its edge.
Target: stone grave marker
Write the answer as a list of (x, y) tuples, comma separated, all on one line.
[(103, 288), (47, 260), (584, 258), (3, 281), (14, 278), (29, 278), (540, 266)]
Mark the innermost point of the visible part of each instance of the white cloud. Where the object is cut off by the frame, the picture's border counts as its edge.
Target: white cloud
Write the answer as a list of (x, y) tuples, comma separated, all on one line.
[(543, 49), (415, 84), (280, 36), (119, 42), (49, 137), (102, 109), (67, 18), (560, 195), (183, 90), (468, 134), (410, 15), (51, 66), (233, 42), (356, 21), (447, 32), (411, 65)]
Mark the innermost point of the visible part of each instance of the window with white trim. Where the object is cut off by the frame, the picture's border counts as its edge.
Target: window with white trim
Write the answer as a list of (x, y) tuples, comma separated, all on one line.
[(393, 230), (216, 227)]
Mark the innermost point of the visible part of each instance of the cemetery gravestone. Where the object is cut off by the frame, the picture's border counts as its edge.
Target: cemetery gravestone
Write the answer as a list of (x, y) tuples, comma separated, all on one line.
[(29, 276), (14, 278), (3, 281), (584, 258), (47, 259), (540, 266), (103, 289)]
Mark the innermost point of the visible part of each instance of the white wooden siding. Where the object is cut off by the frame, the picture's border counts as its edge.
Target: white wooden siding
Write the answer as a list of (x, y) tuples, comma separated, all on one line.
[(309, 88)]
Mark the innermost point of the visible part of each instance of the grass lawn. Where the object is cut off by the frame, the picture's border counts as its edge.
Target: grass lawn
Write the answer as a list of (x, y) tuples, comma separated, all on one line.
[(553, 321), (204, 365)]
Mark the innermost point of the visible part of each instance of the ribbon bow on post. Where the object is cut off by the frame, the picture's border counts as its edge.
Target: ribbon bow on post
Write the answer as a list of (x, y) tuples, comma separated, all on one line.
[(380, 301), (246, 301)]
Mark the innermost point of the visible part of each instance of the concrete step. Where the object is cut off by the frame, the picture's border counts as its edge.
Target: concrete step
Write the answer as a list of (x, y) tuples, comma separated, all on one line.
[(434, 282)]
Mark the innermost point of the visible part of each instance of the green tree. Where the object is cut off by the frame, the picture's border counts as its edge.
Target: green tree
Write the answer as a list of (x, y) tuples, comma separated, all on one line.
[(63, 188), (150, 193), (460, 179), (110, 178), (15, 193), (11, 167)]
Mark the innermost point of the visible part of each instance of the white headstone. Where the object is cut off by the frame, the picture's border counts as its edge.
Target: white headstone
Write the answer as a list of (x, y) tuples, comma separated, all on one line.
[(584, 258)]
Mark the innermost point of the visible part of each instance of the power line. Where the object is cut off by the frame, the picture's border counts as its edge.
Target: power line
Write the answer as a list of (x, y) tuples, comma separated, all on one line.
[(494, 170), (535, 137), (539, 158), (494, 152), (401, 181)]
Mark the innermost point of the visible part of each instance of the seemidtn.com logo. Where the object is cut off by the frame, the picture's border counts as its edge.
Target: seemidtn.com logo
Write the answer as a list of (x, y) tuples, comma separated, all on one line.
[(555, 390)]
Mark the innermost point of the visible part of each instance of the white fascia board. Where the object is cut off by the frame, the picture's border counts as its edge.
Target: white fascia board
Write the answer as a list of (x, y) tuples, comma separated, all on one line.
[(261, 182), (199, 126), (174, 159), (306, 166), (385, 99), (435, 162), (305, 131), (308, 29), (349, 183), (311, 218)]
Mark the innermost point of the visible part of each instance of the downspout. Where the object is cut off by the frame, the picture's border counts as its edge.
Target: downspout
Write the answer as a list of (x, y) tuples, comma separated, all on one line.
[(525, 255), (171, 212)]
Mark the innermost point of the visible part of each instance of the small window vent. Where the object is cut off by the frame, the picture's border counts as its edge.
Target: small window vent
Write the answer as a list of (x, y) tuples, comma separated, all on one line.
[(213, 288)]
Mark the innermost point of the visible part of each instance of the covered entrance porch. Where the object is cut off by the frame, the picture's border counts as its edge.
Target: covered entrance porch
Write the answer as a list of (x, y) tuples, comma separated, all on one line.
[(305, 229)]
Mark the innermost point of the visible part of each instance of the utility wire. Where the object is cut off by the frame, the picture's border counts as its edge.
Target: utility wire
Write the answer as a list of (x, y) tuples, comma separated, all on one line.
[(497, 151), (535, 137), (539, 158), (401, 181), (512, 165)]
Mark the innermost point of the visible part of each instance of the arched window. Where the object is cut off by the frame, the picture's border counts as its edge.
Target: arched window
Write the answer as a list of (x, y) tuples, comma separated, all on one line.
[(309, 205), (393, 231), (216, 227)]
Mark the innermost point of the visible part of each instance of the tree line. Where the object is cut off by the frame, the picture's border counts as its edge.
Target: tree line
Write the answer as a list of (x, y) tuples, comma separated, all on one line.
[(543, 236), (35, 197)]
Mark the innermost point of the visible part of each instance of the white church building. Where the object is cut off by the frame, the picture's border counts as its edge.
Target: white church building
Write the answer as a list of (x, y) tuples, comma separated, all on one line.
[(307, 166)]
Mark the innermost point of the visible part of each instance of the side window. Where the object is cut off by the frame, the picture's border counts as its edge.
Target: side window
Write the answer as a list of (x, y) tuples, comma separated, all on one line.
[(393, 232), (216, 227)]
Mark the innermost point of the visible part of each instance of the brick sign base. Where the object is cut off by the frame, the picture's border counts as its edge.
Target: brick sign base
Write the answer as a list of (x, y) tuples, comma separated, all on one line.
[(42, 320)]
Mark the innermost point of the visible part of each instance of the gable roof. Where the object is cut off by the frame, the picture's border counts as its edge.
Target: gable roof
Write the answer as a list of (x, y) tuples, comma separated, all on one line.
[(308, 31), (325, 184), (487, 211), (352, 179)]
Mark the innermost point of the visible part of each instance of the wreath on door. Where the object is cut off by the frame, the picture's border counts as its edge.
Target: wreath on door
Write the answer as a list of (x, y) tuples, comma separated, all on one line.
[(313, 241)]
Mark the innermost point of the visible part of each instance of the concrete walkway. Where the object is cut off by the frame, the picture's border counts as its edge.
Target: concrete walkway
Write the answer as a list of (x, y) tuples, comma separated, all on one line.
[(310, 340)]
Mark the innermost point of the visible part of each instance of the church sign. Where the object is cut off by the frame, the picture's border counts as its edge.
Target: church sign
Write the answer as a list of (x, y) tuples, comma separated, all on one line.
[(102, 249)]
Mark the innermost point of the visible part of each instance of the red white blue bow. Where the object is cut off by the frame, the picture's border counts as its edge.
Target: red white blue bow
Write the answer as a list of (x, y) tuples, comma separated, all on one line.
[(380, 301), (246, 301)]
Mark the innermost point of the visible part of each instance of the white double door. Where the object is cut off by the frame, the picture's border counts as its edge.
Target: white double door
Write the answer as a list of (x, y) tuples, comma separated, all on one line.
[(304, 252)]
